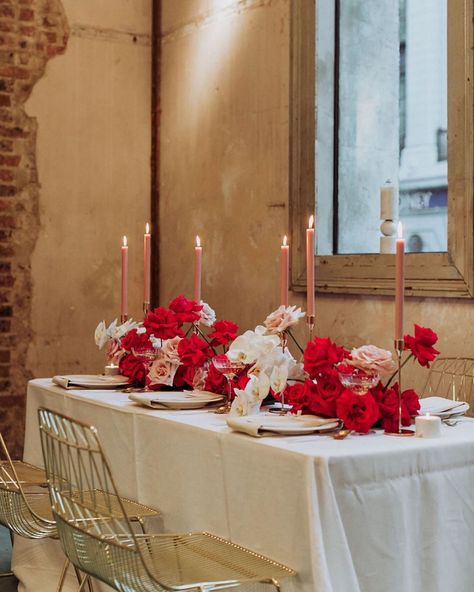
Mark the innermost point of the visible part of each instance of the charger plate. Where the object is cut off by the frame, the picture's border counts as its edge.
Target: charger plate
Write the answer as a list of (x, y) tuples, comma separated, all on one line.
[(175, 399)]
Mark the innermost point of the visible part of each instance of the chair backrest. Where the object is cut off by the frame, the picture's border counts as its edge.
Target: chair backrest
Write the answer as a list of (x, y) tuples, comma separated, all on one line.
[(452, 378), (94, 529), (17, 509)]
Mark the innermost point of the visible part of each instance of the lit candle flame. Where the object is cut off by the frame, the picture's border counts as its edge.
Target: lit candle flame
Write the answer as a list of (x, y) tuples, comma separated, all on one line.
[(124, 241), (400, 230), (311, 221), (147, 228), (198, 241), (285, 241)]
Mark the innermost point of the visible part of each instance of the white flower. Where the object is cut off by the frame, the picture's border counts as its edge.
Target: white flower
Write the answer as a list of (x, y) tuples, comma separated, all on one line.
[(282, 318), (296, 371), (100, 335), (248, 401), (169, 350), (252, 345), (162, 371), (141, 330), (371, 357), (278, 378), (208, 315), (156, 342)]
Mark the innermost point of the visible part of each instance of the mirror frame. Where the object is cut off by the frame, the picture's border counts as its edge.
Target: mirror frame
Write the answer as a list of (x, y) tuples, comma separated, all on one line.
[(447, 274)]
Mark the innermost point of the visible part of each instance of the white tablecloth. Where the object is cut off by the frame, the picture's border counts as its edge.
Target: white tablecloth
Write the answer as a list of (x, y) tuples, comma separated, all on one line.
[(367, 514)]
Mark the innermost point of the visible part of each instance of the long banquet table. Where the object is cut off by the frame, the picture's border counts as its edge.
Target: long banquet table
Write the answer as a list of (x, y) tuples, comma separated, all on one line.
[(367, 514)]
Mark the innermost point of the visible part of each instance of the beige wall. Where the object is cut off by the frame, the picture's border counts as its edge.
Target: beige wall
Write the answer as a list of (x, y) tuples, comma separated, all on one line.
[(93, 156), (224, 174)]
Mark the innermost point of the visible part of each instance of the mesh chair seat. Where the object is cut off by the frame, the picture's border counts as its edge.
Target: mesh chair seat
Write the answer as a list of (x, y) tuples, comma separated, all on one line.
[(27, 474), (103, 502)]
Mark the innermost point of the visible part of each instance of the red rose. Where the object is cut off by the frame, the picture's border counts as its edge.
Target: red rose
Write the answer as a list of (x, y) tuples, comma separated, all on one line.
[(321, 355), (224, 332), (193, 351), (135, 369), (186, 311), (421, 345), (358, 412), (322, 395), (215, 381), (162, 323), (240, 381), (135, 341), (389, 406), (295, 395)]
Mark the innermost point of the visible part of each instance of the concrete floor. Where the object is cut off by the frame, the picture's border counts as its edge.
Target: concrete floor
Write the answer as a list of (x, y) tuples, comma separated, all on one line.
[(6, 584)]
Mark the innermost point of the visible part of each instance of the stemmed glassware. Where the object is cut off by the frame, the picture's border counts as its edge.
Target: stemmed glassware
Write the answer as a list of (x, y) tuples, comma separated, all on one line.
[(146, 355), (229, 368), (357, 380)]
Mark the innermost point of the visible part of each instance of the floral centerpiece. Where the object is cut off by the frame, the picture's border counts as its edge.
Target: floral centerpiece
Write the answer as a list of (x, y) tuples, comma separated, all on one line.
[(325, 390), (173, 347)]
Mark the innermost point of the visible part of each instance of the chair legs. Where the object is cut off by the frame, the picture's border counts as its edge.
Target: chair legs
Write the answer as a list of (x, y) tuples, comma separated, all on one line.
[(63, 575)]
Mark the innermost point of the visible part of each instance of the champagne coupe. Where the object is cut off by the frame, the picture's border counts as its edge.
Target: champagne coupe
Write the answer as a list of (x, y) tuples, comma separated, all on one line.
[(146, 355), (229, 368), (357, 380)]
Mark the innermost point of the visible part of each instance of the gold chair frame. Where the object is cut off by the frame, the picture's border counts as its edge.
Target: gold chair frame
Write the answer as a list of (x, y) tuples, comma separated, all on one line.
[(105, 546), (452, 378)]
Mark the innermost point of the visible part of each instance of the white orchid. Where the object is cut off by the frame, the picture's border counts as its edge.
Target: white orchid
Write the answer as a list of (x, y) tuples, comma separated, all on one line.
[(278, 378), (114, 331), (208, 315), (252, 345), (248, 401), (282, 318)]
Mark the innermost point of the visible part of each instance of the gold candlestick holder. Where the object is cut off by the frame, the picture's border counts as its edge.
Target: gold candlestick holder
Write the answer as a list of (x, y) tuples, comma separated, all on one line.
[(310, 324), (123, 318), (146, 308), (399, 346)]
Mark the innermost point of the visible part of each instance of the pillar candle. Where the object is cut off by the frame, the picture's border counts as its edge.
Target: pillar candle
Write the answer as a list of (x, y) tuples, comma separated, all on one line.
[(197, 270), (310, 268), (388, 204), (124, 278), (285, 272), (399, 282), (146, 264), (428, 426)]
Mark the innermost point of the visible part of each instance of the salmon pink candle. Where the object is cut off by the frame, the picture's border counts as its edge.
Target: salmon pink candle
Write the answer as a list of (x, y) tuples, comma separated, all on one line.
[(310, 267), (399, 282), (124, 279), (284, 271), (197, 269), (146, 267)]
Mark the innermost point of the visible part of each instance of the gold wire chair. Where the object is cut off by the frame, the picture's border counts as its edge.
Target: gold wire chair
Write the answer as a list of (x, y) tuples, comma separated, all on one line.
[(104, 545), (452, 378)]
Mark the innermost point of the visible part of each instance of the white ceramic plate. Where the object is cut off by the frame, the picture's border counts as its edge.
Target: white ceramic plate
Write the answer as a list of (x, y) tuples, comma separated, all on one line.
[(91, 381), (461, 410), (289, 426), (175, 399)]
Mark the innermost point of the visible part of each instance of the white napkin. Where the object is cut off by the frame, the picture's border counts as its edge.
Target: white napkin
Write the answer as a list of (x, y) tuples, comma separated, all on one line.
[(90, 381), (435, 405), (153, 399), (254, 425)]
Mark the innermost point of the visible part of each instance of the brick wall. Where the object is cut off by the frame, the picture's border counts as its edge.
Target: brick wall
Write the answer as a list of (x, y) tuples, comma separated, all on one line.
[(31, 32)]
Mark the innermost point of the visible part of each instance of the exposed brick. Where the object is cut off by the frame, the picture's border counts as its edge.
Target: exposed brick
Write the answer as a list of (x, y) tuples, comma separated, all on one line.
[(8, 190), (4, 371), (6, 175), (5, 326), (7, 57), (6, 222), (6, 11), (26, 14), (5, 356), (5, 100), (6, 85), (15, 72), (7, 27), (6, 205), (5, 251), (12, 160), (5, 311), (28, 31)]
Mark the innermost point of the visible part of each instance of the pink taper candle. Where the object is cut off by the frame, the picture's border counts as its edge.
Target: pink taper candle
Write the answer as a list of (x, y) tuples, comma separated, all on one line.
[(310, 268), (399, 282), (285, 271), (146, 264), (124, 278), (197, 269)]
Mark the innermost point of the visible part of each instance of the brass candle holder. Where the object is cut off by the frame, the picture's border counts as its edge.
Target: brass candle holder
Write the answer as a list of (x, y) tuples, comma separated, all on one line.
[(146, 308), (123, 318), (310, 324), (399, 346)]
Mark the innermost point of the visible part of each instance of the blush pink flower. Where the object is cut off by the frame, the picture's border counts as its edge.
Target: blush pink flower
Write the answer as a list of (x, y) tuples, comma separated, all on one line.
[(370, 357), (281, 319), (161, 372)]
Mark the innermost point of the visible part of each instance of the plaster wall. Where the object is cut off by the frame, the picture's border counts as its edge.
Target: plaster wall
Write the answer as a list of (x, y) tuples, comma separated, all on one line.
[(93, 157), (224, 174)]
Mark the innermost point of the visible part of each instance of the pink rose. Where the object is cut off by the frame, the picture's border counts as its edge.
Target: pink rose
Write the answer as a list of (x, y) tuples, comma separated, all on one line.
[(282, 318), (161, 372), (114, 351), (370, 357), (199, 379), (169, 350)]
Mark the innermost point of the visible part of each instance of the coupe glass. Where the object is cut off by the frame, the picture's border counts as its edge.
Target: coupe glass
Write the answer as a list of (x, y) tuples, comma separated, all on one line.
[(146, 355), (357, 380), (229, 368)]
